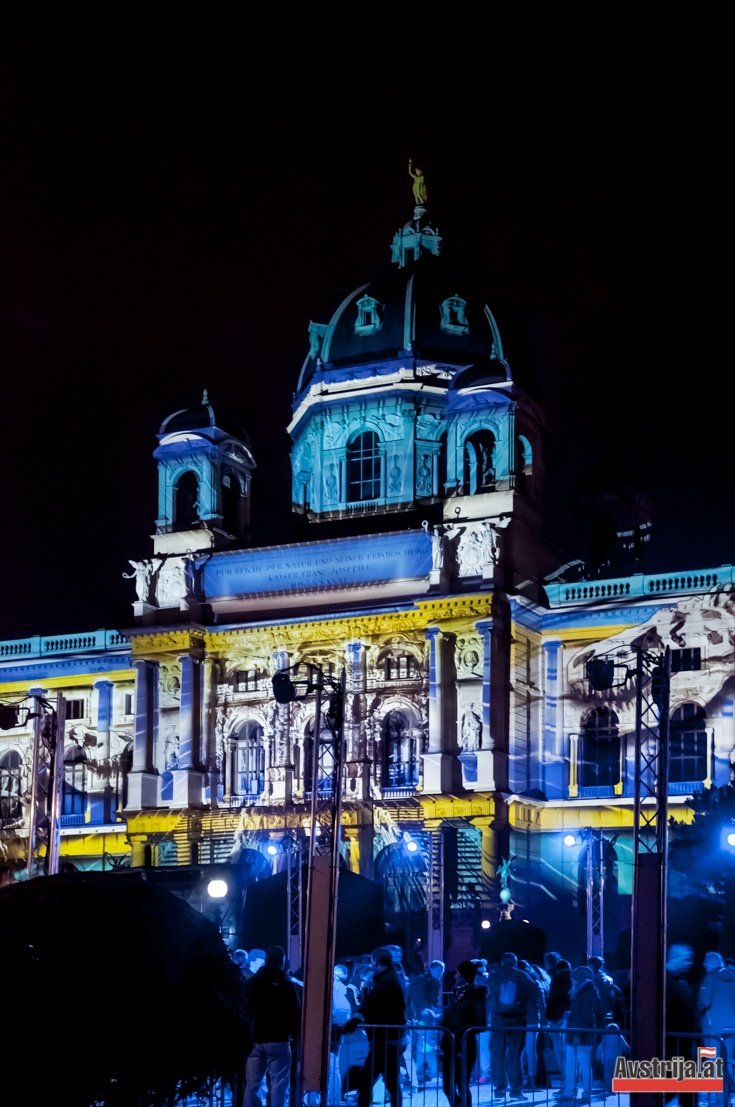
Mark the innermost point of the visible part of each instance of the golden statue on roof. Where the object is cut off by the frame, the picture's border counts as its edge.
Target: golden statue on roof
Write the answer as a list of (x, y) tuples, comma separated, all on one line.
[(420, 194)]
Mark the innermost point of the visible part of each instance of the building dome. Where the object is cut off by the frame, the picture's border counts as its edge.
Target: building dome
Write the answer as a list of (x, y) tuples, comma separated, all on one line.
[(421, 310), (202, 418)]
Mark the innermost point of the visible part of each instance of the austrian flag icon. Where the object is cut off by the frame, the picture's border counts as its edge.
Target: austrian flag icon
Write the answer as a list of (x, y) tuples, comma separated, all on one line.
[(676, 1074)]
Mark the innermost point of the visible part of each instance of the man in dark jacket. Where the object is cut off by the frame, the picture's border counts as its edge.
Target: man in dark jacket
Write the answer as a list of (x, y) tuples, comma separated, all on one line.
[(384, 1004), (468, 1008), (276, 1013)]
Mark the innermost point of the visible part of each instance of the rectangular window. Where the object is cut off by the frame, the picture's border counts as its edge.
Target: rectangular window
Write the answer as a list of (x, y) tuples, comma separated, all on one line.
[(247, 680), (128, 703), (75, 709), (686, 661)]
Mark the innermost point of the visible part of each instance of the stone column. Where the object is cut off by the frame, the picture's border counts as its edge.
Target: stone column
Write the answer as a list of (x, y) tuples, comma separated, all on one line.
[(281, 772), (485, 766), (438, 761), (188, 782), (489, 849), (143, 778), (104, 717), (209, 736), (552, 763)]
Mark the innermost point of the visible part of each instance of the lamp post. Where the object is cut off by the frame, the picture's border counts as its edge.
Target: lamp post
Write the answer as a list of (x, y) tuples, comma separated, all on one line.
[(322, 879), (47, 775), (652, 675)]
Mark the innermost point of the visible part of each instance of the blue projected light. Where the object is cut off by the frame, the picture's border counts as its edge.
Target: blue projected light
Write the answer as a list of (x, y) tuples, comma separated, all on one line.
[(320, 565), (727, 838)]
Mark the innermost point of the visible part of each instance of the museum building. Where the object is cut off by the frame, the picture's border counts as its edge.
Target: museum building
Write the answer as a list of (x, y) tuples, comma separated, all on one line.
[(472, 733)]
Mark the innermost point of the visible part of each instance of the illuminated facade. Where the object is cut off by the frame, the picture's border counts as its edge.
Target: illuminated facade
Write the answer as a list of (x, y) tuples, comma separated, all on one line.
[(471, 729)]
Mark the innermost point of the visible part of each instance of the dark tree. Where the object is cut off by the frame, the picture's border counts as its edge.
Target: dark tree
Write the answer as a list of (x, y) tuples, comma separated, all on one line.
[(119, 994)]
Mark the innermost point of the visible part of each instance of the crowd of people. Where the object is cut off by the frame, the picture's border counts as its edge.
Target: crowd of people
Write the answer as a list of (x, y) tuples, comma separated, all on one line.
[(533, 1025)]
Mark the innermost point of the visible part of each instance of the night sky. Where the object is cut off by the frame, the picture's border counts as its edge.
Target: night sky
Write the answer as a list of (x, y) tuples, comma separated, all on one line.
[(174, 213)]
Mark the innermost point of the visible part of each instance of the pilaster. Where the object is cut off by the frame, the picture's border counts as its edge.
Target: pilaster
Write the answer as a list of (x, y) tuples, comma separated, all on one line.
[(143, 779), (438, 760)]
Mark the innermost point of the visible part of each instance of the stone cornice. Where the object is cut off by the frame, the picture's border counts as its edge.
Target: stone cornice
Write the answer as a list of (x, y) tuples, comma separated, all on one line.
[(173, 642)]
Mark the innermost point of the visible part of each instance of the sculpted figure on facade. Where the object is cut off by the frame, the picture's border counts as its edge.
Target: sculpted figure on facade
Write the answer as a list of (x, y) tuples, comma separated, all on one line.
[(143, 572), (169, 686), (172, 584), (437, 532), (172, 751), (471, 734), (220, 730), (468, 656), (471, 552)]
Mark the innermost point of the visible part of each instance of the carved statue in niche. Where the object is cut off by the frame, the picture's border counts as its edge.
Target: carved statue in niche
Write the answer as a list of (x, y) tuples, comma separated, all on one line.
[(468, 656), (471, 735), (172, 751), (169, 686)]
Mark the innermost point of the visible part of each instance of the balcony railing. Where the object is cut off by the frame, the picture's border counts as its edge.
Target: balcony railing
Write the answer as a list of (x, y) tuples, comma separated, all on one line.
[(38, 646), (638, 586)]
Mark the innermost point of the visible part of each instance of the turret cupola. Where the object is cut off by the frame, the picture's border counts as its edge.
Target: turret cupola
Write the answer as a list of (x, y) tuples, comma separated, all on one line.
[(204, 471)]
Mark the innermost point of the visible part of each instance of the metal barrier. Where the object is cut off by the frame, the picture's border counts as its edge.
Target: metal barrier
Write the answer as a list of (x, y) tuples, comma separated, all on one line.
[(426, 1066)]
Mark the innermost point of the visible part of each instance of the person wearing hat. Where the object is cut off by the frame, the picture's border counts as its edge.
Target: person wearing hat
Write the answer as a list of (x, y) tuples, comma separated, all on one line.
[(468, 1008), (586, 1014)]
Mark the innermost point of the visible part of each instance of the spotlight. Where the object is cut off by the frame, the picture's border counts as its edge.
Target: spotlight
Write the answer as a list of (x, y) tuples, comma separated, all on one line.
[(272, 850), (485, 924), (505, 895), (217, 889), (569, 840), (411, 846)]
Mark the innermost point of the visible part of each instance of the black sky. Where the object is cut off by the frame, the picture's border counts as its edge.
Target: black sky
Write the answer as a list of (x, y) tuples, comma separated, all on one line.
[(172, 215)]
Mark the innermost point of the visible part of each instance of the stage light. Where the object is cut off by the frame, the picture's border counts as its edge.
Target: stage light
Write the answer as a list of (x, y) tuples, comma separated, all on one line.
[(272, 850), (569, 840), (411, 846), (217, 889), (485, 924), (505, 895)]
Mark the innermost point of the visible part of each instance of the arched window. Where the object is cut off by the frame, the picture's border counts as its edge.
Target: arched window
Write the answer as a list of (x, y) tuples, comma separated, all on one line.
[(186, 495), (688, 744), (74, 800), (400, 751), (11, 785), (363, 467), (325, 777), (250, 759), (479, 463), (599, 753)]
